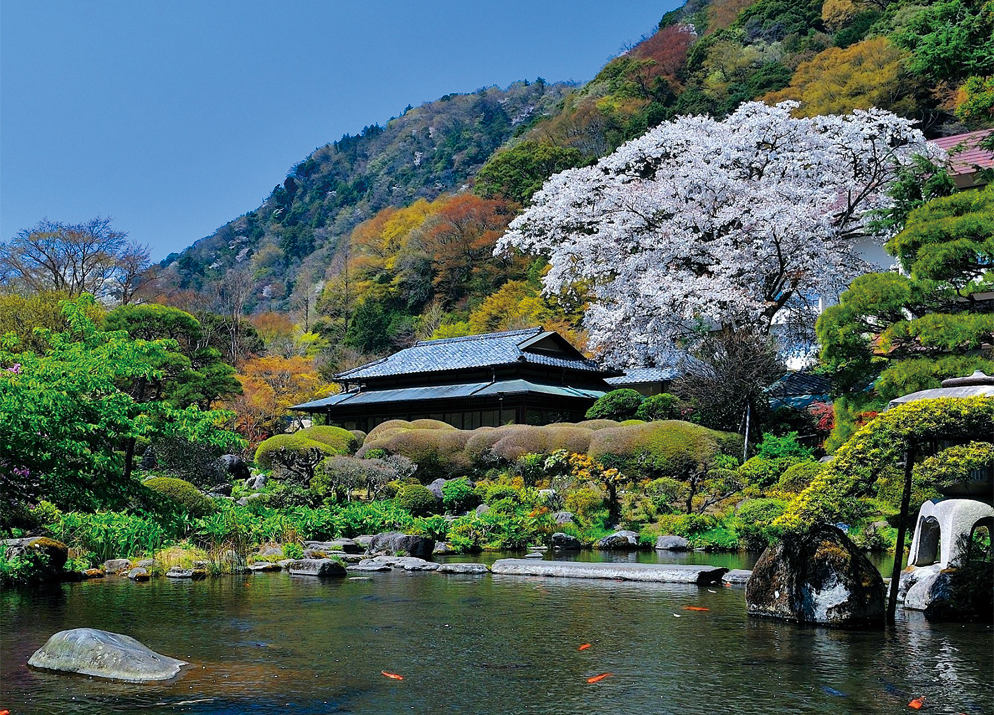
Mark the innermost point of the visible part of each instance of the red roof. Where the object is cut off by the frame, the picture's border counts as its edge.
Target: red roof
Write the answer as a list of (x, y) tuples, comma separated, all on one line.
[(970, 156)]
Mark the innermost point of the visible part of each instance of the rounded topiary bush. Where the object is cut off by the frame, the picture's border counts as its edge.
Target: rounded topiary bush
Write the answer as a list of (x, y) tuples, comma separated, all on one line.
[(416, 499), (797, 478), (186, 496), (437, 452), (764, 472), (431, 424), (656, 449), (597, 424), (570, 437), (340, 440), (293, 456), (518, 440), (663, 406), (616, 405), (390, 425)]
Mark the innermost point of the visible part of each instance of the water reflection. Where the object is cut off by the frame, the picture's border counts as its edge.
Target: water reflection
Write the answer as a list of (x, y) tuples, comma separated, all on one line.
[(465, 644)]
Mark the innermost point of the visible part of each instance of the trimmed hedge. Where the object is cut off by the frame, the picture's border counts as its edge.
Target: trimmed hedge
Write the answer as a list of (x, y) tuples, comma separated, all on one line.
[(658, 449), (437, 452), (342, 441), (797, 478), (663, 406), (185, 495)]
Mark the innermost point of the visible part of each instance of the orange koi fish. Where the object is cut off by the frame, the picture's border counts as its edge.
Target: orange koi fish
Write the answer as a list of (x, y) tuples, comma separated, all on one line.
[(392, 676), (695, 608), (584, 646), (599, 678), (917, 703)]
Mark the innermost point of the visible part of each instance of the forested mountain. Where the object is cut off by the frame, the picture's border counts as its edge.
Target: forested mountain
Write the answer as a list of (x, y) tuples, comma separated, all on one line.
[(388, 235), (428, 150)]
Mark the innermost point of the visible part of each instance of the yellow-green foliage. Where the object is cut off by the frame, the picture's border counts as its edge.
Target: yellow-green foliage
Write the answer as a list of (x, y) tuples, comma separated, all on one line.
[(956, 464), (182, 493), (438, 452), (836, 491), (597, 424), (670, 448), (340, 440), (797, 478), (297, 442)]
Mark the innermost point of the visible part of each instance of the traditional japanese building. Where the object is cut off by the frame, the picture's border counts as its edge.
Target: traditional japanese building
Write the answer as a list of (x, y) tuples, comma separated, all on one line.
[(531, 376)]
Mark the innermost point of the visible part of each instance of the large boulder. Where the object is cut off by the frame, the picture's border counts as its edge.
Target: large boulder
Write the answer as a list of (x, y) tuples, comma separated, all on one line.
[(563, 517), (818, 577), (620, 541), (49, 555), (672, 542), (565, 542), (395, 542), (317, 567), (911, 576), (442, 548), (89, 651), (473, 569), (234, 466)]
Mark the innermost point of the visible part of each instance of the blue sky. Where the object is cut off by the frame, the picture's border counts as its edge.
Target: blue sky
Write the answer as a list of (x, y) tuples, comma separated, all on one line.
[(176, 117)]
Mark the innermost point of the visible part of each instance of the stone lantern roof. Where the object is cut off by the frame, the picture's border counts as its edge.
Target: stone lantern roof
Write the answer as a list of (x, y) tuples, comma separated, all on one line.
[(976, 385)]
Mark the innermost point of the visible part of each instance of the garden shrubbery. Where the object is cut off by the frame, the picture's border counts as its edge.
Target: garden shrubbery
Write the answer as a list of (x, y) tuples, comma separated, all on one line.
[(183, 494)]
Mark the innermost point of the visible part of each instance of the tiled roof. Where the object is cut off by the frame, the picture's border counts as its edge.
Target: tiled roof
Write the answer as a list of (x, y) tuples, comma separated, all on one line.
[(473, 351), (640, 375), (972, 156), (442, 392)]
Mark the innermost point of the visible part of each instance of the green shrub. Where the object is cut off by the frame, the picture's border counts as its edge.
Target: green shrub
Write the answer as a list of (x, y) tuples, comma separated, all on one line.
[(664, 493), (284, 495), (595, 425), (584, 502), (761, 511), (359, 435), (416, 499), (46, 513), (110, 535), (572, 438), (374, 454), (437, 452), (615, 405), (955, 466), (293, 456), (797, 477), (778, 447), (458, 495), (764, 472), (663, 406), (186, 496), (656, 449), (340, 440)]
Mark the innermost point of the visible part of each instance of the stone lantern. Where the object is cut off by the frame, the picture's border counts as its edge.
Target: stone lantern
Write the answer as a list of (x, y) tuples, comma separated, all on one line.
[(945, 524)]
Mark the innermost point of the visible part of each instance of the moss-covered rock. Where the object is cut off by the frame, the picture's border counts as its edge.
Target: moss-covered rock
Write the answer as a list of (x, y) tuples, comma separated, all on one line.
[(820, 577)]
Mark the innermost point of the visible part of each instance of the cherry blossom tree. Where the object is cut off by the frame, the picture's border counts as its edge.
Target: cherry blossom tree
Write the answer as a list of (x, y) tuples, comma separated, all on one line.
[(701, 224)]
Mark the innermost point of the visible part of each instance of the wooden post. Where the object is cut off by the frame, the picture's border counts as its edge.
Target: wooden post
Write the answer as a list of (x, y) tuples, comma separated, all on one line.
[(895, 579)]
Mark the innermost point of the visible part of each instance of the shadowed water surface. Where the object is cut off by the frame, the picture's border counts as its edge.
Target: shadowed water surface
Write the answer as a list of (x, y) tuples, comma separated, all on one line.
[(269, 643)]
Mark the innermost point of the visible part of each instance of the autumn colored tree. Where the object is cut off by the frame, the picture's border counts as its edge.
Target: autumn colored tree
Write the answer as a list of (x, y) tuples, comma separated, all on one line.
[(460, 239), (270, 386), (868, 74)]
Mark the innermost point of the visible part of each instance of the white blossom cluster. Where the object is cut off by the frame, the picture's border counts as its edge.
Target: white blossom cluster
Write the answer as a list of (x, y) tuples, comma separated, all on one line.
[(704, 223)]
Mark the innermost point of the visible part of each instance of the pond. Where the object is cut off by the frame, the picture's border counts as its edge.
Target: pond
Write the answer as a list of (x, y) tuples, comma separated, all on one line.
[(272, 643)]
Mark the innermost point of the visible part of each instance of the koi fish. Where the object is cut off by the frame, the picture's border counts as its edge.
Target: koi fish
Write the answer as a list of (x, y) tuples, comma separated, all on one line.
[(677, 615), (833, 691), (584, 646), (917, 703), (695, 608), (599, 678), (710, 591), (392, 676), (4, 712)]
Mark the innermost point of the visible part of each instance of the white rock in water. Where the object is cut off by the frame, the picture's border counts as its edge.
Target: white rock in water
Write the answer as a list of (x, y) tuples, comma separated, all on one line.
[(102, 654)]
